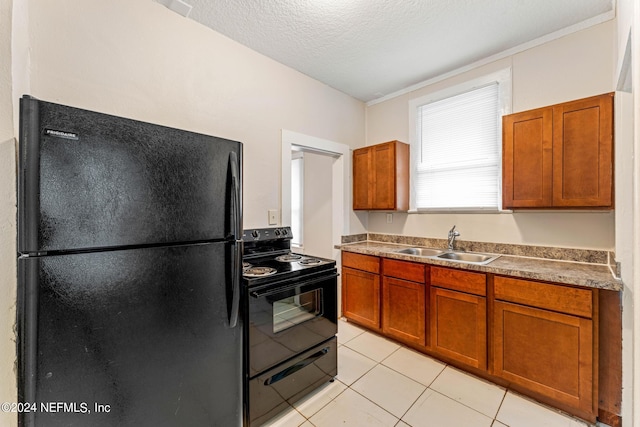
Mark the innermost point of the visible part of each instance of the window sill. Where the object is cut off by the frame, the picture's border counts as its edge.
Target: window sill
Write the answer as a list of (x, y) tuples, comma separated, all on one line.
[(459, 211)]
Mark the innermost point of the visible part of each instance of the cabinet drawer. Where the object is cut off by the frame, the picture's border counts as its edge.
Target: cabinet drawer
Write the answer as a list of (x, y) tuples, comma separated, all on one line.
[(404, 270), (457, 280), (361, 262), (558, 298)]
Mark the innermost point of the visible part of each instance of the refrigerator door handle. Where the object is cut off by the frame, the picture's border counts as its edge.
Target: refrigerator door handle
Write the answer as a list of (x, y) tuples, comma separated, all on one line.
[(29, 176), (235, 284), (236, 210), (27, 323)]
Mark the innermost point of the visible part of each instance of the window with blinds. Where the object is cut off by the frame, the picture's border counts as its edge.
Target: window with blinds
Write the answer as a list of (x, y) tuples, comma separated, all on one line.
[(456, 151)]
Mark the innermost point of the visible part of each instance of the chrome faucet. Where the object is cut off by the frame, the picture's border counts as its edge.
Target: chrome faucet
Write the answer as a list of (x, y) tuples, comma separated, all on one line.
[(452, 238)]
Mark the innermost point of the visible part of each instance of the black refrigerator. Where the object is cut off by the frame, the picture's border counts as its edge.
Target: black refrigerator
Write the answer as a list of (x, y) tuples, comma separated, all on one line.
[(129, 269)]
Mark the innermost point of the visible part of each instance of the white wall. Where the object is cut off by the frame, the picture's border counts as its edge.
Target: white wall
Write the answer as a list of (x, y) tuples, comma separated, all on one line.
[(7, 220), (628, 203), (625, 237), (624, 18), (574, 66), (137, 59)]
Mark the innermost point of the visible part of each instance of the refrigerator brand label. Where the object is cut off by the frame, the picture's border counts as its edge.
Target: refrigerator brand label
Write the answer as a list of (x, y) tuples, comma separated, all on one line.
[(61, 134)]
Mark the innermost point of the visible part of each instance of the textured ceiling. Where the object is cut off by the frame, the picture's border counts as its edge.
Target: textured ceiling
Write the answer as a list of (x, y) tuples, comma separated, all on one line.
[(371, 48)]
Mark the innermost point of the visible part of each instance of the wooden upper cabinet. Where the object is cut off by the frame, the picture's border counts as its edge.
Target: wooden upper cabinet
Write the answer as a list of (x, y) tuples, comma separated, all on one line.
[(381, 177), (583, 152), (559, 156), (361, 166), (527, 158)]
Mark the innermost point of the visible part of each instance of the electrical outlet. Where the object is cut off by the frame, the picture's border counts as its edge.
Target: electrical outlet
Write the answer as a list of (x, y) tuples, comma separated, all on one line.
[(273, 216), (389, 218)]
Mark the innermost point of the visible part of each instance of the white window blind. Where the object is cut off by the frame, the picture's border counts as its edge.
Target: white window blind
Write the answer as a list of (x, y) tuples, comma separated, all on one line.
[(458, 164)]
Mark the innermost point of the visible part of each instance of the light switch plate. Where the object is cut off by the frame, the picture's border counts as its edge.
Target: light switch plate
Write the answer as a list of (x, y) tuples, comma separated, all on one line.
[(389, 218), (273, 216)]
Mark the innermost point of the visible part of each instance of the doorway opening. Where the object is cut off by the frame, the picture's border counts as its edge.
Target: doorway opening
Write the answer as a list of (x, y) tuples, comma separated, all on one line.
[(312, 201), (318, 209)]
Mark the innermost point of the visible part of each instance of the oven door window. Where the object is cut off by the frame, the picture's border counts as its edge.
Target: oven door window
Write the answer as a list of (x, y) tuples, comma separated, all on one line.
[(296, 309)]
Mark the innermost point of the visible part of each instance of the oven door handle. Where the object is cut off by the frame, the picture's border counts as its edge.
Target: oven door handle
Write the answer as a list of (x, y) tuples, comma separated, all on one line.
[(275, 289), (296, 367)]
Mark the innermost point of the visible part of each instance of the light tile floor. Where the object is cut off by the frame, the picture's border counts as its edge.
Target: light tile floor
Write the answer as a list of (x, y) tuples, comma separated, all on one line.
[(381, 383)]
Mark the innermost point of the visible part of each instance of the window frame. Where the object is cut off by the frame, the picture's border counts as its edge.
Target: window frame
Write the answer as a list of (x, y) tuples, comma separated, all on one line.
[(503, 79)]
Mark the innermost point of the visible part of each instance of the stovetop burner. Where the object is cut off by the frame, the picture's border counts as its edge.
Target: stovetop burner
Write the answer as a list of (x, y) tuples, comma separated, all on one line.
[(268, 253), (259, 271), (289, 258), (310, 261)]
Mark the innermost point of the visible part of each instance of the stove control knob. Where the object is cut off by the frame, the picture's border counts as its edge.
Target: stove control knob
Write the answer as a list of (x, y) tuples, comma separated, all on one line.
[(255, 234), (277, 232), (284, 231)]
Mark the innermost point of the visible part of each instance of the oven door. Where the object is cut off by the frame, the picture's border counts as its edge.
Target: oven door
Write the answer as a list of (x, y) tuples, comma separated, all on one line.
[(289, 317)]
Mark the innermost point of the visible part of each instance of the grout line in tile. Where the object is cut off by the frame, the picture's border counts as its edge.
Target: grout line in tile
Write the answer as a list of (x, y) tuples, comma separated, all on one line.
[(450, 398), (354, 390), (362, 354), (438, 376), (411, 406), (392, 353), (504, 396)]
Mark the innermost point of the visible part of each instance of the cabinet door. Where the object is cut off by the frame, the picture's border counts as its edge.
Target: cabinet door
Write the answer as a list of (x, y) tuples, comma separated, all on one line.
[(403, 310), (527, 159), (547, 352), (361, 179), (582, 152), (384, 176), (459, 326), (361, 297)]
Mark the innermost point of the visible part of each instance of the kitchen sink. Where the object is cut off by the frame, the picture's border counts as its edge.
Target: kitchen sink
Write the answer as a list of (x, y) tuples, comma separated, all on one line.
[(426, 252), (457, 256), (472, 258)]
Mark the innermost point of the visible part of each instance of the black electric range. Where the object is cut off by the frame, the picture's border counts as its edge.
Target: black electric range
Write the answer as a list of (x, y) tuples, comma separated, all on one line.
[(290, 301)]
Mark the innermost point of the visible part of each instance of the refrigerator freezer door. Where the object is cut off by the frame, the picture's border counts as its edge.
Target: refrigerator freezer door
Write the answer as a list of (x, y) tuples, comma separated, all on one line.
[(142, 334), (89, 180)]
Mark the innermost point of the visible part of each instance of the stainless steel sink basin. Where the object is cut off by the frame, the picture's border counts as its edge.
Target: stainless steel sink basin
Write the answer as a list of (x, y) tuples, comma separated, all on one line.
[(426, 252), (467, 257), (456, 256)]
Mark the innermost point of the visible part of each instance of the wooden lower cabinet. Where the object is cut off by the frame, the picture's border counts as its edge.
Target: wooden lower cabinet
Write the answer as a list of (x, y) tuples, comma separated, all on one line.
[(361, 297), (403, 308), (546, 352), (459, 326), (538, 338)]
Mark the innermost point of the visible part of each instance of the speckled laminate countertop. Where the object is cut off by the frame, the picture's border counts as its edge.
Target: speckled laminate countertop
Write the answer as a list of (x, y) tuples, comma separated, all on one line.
[(566, 272)]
